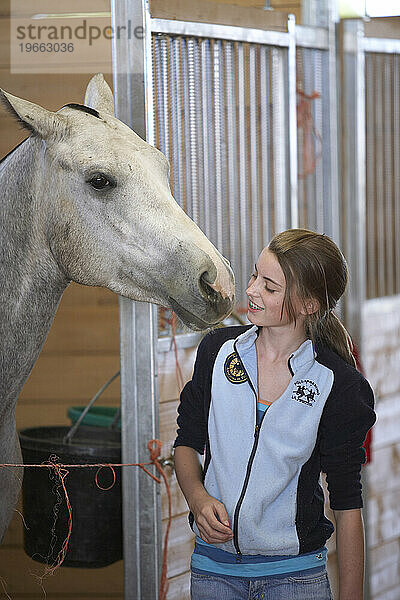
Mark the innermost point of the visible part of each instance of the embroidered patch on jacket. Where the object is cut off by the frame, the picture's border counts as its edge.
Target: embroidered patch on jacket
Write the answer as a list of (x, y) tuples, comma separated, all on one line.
[(305, 391), (233, 369)]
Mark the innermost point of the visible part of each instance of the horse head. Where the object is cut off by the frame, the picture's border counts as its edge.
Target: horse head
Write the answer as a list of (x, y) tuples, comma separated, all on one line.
[(108, 214)]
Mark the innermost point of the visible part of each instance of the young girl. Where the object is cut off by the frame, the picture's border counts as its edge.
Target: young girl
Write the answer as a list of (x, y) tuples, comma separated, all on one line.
[(272, 405)]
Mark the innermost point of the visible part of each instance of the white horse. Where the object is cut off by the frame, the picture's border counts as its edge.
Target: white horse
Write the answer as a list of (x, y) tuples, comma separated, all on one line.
[(85, 199)]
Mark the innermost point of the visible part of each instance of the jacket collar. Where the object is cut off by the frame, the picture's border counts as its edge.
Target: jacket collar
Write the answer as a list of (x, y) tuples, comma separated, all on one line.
[(299, 358)]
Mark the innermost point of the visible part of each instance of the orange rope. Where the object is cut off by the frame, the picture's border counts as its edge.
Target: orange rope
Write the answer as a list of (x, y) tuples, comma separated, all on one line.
[(178, 371), (154, 447)]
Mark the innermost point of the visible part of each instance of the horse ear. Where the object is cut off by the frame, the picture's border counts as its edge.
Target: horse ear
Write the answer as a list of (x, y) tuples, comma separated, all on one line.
[(33, 117), (99, 95)]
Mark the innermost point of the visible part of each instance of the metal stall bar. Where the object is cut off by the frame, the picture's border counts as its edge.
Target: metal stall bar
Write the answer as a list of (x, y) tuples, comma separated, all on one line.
[(176, 121), (320, 172), (207, 128), (384, 45), (279, 133), (232, 156), (254, 153), (333, 212), (243, 187), (370, 174), (231, 33), (396, 168), (218, 159), (138, 328), (354, 207), (265, 144), (387, 173), (292, 82), (380, 208)]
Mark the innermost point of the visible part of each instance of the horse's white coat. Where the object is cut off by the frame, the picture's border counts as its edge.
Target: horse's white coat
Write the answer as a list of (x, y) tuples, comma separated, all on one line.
[(131, 237)]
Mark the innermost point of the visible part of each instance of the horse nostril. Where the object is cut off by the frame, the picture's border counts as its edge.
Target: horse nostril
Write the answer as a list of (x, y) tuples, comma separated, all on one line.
[(206, 290)]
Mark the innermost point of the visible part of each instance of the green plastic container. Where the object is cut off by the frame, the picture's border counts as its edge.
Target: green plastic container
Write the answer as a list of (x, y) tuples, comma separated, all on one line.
[(97, 416)]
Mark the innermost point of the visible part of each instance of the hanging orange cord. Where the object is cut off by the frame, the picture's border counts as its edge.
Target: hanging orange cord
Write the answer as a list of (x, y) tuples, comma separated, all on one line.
[(305, 122)]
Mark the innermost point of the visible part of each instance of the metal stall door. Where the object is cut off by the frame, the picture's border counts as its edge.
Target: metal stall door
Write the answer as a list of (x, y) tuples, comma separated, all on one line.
[(225, 116)]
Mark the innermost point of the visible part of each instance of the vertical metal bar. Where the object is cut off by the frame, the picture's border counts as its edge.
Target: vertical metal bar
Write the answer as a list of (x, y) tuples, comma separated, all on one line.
[(370, 174), (380, 206), (354, 173), (388, 174), (138, 329), (333, 204), (243, 170), (292, 126), (218, 143), (279, 138), (396, 167), (198, 83), (265, 145), (192, 141), (300, 52), (309, 181), (164, 108), (207, 132), (176, 121), (254, 155), (318, 124), (187, 203), (232, 157)]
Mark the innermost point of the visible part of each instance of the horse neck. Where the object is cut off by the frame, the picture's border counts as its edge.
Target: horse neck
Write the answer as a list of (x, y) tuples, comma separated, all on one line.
[(32, 283)]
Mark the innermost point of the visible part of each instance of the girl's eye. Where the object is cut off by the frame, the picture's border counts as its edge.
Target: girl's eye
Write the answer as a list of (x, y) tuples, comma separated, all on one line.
[(269, 290)]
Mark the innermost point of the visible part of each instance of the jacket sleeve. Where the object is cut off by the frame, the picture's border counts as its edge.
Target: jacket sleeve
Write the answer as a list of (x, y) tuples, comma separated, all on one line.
[(192, 418), (344, 427)]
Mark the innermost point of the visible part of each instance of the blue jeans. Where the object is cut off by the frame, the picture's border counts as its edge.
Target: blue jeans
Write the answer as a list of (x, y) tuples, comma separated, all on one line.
[(312, 586)]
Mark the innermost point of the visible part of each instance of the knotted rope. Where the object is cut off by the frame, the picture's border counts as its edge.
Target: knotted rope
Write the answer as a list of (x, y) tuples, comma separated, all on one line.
[(62, 470)]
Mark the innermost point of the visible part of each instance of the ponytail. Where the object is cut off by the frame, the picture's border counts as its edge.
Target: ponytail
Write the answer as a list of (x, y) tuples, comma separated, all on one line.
[(331, 331)]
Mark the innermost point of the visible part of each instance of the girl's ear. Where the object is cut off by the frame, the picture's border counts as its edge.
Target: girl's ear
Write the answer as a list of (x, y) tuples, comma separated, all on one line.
[(310, 306)]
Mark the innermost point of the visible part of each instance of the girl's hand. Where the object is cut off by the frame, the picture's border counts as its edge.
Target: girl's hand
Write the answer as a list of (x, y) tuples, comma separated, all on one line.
[(211, 519)]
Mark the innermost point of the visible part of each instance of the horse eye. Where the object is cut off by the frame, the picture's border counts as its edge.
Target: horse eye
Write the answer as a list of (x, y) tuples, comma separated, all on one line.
[(99, 181)]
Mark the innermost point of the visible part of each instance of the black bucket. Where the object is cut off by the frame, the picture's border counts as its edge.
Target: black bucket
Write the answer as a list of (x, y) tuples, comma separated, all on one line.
[(96, 538)]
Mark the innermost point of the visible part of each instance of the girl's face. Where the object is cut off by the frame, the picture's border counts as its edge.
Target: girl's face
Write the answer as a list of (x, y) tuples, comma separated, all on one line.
[(266, 293)]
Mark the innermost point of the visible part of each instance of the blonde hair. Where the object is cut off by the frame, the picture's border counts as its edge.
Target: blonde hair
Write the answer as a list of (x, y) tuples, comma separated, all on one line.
[(315, 268)]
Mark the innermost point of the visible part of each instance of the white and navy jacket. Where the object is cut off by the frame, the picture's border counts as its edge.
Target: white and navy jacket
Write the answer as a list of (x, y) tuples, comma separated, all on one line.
[(267, 475)]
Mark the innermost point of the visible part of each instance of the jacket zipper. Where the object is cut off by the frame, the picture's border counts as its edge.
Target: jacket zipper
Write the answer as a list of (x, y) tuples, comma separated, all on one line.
[(289, 365), (250, 461), (248, 470)]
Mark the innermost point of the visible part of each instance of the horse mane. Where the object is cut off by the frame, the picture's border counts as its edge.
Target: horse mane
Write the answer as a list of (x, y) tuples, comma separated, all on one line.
[(11, 151), (86, 109), (81, 107)]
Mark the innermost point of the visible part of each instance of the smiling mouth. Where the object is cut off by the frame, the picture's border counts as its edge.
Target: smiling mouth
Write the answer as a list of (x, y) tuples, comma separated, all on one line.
[(254, 306)]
